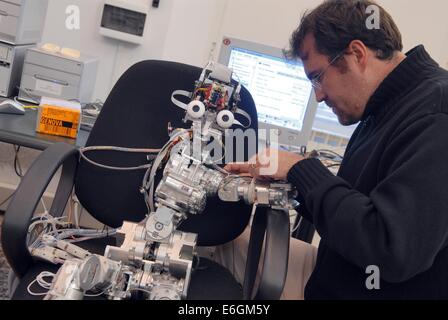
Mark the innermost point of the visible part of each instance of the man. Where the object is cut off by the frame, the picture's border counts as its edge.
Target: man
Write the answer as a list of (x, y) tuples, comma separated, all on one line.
[(387, 210)]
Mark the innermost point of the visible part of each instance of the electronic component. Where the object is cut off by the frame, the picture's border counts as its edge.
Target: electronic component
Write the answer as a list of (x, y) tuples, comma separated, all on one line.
[(48, 74), (196, 109), (11, 64), (225, 119), (22, 21)]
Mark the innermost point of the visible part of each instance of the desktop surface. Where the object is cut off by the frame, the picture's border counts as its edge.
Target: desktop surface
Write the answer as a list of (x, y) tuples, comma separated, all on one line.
[(21, 130)]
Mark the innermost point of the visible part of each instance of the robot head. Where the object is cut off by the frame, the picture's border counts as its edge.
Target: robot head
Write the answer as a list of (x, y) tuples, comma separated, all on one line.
[(215, 97)]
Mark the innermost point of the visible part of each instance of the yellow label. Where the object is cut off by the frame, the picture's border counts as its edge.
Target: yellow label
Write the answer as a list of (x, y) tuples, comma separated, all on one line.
[(58, 121)]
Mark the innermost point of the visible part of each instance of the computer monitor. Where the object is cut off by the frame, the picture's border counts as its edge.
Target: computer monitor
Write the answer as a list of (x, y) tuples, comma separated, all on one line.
[(282, 93), (327, 122)]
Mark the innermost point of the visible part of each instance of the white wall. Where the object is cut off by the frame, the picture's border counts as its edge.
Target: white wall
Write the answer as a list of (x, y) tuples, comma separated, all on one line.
[(185, 30), (113, 54), (178, 30), (266, 21), (193, 27), (422, 22)]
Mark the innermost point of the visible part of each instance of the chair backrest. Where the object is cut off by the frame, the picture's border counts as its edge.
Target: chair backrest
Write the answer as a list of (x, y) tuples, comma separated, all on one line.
[(136, 115)]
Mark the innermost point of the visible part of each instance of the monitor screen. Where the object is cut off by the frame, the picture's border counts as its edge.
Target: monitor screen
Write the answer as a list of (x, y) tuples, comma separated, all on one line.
[(282, 93), (327, 122), (280, 89)]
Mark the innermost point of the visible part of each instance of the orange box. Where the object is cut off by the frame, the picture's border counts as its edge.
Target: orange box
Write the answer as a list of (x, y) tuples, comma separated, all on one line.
[(58, 120)]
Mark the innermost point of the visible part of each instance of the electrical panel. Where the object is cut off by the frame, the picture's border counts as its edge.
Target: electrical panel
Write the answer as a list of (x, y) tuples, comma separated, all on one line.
[(124, 20)]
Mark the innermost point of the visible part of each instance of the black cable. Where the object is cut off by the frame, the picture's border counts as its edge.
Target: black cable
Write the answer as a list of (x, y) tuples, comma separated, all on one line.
[(303, 151), (6, 200), (17, 166)]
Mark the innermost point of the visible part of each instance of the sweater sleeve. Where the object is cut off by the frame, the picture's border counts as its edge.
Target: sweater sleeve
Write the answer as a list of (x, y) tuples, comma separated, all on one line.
[(403, 223), (305, 175)]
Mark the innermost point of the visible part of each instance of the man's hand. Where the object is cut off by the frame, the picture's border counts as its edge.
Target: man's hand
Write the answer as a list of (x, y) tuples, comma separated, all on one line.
[(269, 164)]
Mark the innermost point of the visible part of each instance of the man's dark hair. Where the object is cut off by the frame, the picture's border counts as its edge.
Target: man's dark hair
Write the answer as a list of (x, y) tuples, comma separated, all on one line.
[(336, 23)]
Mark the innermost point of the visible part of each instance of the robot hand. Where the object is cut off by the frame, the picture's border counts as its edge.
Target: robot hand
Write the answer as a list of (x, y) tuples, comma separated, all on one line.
[(278, 196)]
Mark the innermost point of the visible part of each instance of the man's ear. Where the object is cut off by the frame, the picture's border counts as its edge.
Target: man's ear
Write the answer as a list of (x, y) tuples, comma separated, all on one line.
[(360, 52)]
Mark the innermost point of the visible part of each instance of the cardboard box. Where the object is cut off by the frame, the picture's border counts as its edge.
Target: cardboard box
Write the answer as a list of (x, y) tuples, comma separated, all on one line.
[(59, 117)]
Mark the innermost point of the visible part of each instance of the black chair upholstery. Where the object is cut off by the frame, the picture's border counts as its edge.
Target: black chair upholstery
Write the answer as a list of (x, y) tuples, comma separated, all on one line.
[(135, 115)]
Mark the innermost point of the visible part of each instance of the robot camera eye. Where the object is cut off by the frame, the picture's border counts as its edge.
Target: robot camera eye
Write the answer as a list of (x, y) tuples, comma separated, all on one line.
[(225, 119), (196, 109)]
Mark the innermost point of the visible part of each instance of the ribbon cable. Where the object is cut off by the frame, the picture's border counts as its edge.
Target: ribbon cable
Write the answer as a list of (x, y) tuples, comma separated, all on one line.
[(187, 94)]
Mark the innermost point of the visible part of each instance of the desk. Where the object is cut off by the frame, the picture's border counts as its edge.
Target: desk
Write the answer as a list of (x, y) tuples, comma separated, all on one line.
[(21, 130)]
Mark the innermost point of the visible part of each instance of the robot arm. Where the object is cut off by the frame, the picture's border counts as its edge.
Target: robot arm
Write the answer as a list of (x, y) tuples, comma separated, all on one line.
[(278, 196)]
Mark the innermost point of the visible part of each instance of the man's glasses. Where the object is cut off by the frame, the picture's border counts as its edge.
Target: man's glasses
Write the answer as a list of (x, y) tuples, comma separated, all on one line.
[(316, 81)]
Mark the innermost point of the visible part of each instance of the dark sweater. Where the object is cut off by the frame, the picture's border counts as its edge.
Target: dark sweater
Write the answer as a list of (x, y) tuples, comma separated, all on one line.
[(388, 206)]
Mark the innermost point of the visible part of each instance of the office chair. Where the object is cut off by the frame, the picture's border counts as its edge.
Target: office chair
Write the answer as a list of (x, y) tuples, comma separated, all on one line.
[(135, 115)]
